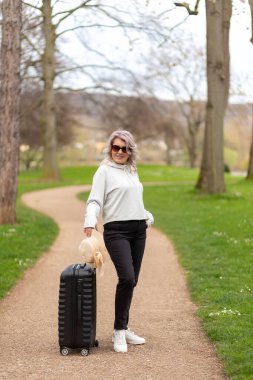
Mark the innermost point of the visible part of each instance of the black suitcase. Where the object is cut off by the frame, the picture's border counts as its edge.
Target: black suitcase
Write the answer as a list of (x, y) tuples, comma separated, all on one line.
[(77, 309)]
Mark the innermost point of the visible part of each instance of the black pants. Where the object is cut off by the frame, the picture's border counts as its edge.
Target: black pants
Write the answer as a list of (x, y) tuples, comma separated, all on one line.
[(125, 242)]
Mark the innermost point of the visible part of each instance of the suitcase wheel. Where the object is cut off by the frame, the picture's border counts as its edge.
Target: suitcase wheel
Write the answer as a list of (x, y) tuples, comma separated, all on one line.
[(85, 352), (64, 351), (96, 343)]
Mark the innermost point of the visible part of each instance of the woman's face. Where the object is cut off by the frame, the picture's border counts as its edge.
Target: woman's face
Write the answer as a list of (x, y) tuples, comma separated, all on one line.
[(119, 156)]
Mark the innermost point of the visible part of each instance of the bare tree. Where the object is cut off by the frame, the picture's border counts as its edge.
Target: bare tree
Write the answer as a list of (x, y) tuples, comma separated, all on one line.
[(251, 11), (46, 56), (250, 166), (48, 121), (9, 107), (31, 136), (211, 178), (151, 121), (52, 17), (173, 134), (218, 14), (179, 71)]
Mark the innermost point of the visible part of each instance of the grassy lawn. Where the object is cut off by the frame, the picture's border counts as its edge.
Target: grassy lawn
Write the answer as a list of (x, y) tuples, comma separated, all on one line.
[(21, 244), (212, 236), (213, 239)]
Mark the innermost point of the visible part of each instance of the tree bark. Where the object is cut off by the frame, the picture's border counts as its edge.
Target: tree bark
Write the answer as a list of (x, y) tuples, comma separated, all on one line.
[(218, 14), (10, 108), (194, 118), (48, 119), (250, 166), (251, 11), (192, 145)]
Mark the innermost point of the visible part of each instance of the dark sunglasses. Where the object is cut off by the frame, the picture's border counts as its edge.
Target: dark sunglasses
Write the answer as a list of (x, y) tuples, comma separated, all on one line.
[(117, 148)]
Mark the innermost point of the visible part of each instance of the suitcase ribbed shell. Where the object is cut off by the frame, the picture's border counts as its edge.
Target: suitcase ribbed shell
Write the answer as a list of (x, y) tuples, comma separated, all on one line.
[(77, 307)]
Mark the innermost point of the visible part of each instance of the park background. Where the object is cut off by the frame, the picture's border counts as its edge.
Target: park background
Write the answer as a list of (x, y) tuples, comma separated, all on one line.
[(150, 79)]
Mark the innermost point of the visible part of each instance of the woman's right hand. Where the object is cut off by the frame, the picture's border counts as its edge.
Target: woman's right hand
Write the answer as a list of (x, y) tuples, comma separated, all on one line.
[(88, 230)]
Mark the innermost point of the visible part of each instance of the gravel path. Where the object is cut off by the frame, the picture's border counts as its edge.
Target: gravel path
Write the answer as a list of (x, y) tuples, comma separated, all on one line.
[(162, 312)]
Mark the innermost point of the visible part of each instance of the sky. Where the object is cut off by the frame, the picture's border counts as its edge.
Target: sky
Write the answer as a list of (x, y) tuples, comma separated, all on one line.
[(116, 46)]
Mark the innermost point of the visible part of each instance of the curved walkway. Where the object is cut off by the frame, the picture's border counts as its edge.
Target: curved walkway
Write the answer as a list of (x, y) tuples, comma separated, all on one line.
[(162, 311)]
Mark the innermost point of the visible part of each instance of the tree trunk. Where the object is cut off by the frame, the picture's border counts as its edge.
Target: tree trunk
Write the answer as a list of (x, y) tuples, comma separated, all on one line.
[(251, 11), (10, 107), (218, 14), (250, 166), (48, 120), (169, 141), (192, 146), (192, 115)]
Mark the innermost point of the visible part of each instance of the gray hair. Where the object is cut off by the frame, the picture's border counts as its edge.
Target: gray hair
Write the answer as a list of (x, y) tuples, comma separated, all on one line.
[(130, 143)]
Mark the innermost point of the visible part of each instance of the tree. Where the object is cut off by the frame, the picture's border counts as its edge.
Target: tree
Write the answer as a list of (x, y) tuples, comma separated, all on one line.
[(179, 70), (31, 136), (10, 107), (89, 14), (211, 178), (48, 121), (218, 14), (139, 115), (152, 121), (251, 11), (250, 166), (173, 135), (47, 58)]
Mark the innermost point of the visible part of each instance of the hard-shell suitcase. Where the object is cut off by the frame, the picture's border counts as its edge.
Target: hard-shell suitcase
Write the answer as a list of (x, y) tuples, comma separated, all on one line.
[(77, 309)]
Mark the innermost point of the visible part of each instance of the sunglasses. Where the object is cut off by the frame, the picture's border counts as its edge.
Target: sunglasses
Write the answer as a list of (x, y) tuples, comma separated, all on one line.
[(116, 149)]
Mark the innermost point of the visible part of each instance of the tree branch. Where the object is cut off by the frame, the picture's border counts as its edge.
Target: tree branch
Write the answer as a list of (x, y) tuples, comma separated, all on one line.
[(82, 67), (31, 44), (69, 12), (187, 7), (32, 6), (95, 87), (98, 53), (86, 26)]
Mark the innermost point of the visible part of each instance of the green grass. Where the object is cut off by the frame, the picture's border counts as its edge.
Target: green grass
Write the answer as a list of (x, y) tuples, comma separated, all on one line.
[(80, 175), (212, 236), (31, 180), (21, 244)]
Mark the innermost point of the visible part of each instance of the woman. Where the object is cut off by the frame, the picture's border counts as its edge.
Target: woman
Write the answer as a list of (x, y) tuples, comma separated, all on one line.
[(117, 192)]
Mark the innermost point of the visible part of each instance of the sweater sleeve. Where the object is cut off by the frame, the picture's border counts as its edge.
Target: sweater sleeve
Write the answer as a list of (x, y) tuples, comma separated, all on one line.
[(96, 198), (149, 218)]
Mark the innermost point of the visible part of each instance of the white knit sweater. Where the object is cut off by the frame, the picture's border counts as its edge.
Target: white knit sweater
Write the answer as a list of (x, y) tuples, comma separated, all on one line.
[(117, 192)]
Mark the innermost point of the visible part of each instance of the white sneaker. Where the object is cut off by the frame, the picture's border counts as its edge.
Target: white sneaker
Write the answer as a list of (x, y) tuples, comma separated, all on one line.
[(119, 341), (132, 338)]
